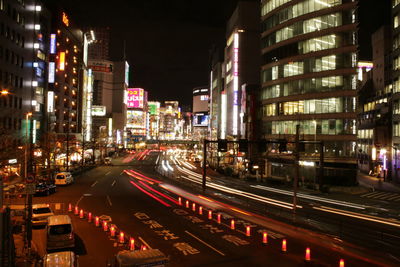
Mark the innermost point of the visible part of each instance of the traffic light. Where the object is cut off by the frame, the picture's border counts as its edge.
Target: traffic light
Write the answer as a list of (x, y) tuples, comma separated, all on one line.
[(282, 145), (222, 145), (262, 146), (243, 145)]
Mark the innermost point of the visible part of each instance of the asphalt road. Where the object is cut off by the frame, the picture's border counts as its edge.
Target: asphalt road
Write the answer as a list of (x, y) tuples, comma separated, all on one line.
[(187, 237)]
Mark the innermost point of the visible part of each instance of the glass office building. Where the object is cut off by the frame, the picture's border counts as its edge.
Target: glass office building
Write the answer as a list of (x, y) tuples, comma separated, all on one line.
[(308, 78)]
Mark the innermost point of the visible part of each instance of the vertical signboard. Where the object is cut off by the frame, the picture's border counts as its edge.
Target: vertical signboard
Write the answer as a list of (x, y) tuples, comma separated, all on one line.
[(52, 72), (53, 43), (61, 61), (50, 101), (235, 84), (126, 73)]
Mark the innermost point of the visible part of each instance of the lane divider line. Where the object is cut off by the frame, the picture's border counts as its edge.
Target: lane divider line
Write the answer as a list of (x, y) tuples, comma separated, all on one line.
[(109, 200), (94, 183), (79, 200), (113, 183), (108, 173), (205, 243)]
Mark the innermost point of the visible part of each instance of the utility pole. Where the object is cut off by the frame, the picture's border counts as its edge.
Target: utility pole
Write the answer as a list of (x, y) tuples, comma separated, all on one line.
[(296, 162), (321, 164), (205, 142)]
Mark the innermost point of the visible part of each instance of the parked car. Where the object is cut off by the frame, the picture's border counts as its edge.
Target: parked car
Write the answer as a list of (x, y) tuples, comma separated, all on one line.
[(45, 189), (64, 178), (40, 213), (60, 259)]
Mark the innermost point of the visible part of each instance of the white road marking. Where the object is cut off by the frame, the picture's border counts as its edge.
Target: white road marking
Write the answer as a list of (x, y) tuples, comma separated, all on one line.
[(94, 184), (208, 245), (108, 173), (79, 200), (113, 183), (109, 200), (121, 173), (144, 242)]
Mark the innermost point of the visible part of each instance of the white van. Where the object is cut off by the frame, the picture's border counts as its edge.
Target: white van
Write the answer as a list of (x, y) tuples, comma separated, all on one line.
[(64, 178), (60, 259), (60, 233)]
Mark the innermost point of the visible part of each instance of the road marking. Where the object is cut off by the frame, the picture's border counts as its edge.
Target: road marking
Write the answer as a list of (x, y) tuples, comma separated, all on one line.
[(109, 200), (79, 200), (122, 173), (108, 173), (144, 242), (113, 183), (367, 194), (94, 184), (208, 245), (388, 196)]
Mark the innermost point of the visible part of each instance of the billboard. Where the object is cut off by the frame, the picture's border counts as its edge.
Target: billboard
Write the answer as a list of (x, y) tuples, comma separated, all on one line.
[(154, 108), (200, 103), (135, 119), (200, 119), (99, 66), (135, 98), (98, 110)]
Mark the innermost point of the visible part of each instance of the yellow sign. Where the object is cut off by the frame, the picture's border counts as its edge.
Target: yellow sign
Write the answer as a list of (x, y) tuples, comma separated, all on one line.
[(65, 19)]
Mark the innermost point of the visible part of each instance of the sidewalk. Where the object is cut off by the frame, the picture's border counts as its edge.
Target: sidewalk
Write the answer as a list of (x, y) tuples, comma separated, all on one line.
[(376, 183)]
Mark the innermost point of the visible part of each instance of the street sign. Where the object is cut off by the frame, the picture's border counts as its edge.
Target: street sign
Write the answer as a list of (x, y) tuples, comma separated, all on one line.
[(30, 189)]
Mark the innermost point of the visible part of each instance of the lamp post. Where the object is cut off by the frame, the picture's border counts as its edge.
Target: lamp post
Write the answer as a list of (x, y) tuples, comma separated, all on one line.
[(29, 114)]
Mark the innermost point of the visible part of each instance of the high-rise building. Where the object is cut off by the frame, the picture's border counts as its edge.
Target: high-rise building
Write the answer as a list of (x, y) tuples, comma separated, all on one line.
[(242, 64), (308, 78), (395, 148), (216, 88), (201, 114), (24, 32), (100, 48)]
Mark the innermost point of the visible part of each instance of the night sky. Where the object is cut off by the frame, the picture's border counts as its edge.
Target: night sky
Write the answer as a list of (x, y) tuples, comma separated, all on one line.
[(168, 41)]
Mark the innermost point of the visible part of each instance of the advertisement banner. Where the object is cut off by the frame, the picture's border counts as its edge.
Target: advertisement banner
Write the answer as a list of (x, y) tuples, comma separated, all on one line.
[(135, 119), (135, 98)]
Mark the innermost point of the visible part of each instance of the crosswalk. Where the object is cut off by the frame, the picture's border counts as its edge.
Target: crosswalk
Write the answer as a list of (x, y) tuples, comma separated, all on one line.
[(382, 196)]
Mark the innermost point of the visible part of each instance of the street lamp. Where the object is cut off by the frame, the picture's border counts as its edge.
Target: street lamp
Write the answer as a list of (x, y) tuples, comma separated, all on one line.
[(27, 115)]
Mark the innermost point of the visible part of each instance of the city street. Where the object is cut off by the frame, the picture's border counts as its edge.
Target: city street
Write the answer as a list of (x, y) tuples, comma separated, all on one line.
[(150, 212)]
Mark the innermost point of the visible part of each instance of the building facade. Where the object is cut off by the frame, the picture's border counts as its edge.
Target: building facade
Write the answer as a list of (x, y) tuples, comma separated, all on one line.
[(374, 110), (201, 114), (24, 27), (242, 63), (308, 78)]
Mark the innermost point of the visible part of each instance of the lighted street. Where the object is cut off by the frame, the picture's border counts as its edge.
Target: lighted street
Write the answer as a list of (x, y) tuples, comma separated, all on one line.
[(150, 212)]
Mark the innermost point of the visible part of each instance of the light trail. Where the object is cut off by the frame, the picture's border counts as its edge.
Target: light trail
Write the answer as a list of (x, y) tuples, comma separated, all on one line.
[(149, 194), (320, 199), (358, 216), (159, 193)]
